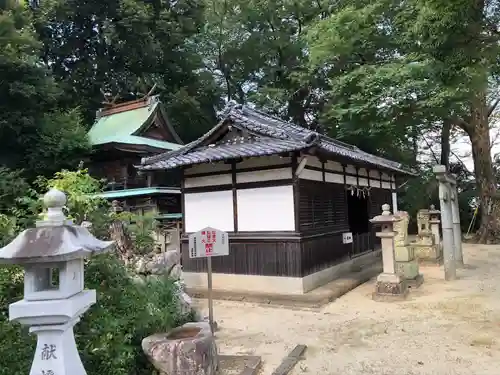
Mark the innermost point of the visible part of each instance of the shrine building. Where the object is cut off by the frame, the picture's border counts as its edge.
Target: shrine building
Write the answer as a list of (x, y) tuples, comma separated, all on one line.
[(122, 134), (296, 204)]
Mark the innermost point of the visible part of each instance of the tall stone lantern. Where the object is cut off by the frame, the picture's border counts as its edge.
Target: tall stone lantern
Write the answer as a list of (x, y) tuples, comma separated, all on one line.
[(390, 286), (52, 255)]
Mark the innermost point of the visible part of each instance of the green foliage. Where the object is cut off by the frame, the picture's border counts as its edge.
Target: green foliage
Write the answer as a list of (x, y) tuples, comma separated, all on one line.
[(62, 141), (110, 333), (141, 228), (80, 189), (18, 201), (256, 53), (17, 337), (128, 310), (12, 186), (129, 45), (7, 229), (35, 136)]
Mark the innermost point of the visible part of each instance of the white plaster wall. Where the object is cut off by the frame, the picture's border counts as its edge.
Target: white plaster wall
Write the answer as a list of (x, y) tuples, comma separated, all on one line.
[(263, 161), (386, 185), (333, 166), (266, 209), (313, 161), (350, 169), (338, 178), (308, 174), (207, 168), (214, 209), (363, 181), (265, 175), (214, 180), (334, 178), (350, 180)]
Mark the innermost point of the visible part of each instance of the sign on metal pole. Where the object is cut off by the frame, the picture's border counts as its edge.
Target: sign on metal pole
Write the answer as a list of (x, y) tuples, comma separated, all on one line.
[(208, 243)]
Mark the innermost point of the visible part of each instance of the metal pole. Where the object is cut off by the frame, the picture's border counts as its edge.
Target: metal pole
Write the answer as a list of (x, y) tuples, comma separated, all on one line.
[(472, 221), (210, 299)]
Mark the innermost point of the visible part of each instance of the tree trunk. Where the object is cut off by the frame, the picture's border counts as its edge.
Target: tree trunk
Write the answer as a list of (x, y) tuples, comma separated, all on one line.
[(123, 243), (445, 143), (478, 131)]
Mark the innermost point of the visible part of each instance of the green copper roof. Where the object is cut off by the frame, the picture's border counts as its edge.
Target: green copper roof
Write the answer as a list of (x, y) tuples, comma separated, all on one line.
[(137, 192), (169, 216), (122, 127), (137, 140)]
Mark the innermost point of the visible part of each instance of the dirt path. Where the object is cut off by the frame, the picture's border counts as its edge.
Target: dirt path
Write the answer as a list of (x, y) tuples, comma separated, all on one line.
[(443, 328)]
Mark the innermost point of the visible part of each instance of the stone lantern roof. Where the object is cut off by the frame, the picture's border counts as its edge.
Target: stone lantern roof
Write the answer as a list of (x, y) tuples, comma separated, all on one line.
[(386, 216), (433, 211), (54, 239)]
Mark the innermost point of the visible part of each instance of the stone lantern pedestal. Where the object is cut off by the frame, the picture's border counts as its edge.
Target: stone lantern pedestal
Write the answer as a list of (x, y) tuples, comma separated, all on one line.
[(390, 286), (52, 255)]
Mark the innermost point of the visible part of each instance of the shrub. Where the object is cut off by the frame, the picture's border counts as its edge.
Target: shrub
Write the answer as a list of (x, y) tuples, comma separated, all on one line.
[(110, 333), (18, 347), (141, 228)]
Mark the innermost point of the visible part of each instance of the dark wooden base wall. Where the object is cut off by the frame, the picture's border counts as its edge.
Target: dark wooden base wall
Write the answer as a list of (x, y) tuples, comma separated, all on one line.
[(291, 257), (252, 256)]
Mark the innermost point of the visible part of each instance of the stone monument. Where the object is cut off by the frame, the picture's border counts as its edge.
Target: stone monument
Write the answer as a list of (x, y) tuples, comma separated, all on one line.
[(390, 286), (52, 255), (425, 248), (406, 262)]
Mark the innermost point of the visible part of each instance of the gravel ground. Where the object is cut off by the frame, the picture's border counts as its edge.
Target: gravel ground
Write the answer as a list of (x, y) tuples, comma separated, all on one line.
[(443, 328)]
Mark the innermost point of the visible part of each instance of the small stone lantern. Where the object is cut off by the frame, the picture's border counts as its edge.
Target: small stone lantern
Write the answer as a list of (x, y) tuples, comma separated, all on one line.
[(390, 286), (52, 255)]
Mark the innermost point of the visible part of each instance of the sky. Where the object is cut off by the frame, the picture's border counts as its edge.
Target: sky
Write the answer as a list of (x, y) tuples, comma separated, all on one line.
[(460, 148)]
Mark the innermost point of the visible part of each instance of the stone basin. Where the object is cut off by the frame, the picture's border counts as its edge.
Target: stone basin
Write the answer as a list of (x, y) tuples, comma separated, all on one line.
[(186, 350)]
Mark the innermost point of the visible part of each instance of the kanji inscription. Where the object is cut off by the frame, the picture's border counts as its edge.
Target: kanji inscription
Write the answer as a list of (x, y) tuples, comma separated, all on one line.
[(48, 352)]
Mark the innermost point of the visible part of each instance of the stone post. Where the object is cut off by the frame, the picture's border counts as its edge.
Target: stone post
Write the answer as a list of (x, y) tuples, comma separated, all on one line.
[(457, 230), (52, 255), (390, 286), (434, 223), (450, 272)]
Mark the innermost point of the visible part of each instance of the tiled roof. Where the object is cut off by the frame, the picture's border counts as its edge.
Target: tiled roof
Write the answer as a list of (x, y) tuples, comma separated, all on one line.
[(237, 148), (270, 135)]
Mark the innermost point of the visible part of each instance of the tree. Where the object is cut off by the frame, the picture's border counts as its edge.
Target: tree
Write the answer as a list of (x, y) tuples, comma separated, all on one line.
[(410, 66), (123, 48), (255, 50), (35, 135)]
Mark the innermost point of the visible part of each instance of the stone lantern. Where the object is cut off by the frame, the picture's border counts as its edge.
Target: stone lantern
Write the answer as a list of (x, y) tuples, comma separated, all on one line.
[(390, 285), (52, 255)]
